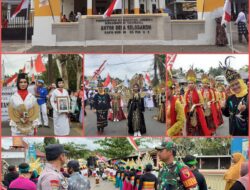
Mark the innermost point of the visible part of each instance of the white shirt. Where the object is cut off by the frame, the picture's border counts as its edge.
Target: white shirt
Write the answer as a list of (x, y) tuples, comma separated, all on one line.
[(241, 17)]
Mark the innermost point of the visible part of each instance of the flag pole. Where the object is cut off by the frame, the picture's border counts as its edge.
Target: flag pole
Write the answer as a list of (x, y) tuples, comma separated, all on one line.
[(231, 37), (51, 11), (122, 26), (26, 26)]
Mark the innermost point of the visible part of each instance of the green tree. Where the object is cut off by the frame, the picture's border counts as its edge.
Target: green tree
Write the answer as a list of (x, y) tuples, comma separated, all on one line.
[(50, 140), (77, 151), (115, 147)]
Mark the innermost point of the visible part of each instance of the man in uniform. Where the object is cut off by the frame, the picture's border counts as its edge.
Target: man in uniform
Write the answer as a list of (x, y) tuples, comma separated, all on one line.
[(191, 162), (174, 175), (51, 178)]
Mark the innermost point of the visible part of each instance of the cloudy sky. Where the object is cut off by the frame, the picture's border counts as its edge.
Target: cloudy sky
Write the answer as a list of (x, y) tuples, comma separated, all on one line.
[(7, 141), (205, 61), (118, 65)]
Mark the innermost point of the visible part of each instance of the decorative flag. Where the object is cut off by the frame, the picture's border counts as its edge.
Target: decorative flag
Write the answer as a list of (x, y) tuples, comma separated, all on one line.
[(107, 81), (24, 69), (132, 143), (43, 3), (116, 4), (170, 59), (40, 68), (32, 71), (11, 81), (147, 78), (227, 12), (98, 71), (23, 5)]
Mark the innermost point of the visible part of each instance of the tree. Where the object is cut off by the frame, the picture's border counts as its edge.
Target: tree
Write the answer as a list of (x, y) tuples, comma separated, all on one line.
[(50, 140), (115, 148), (77, 151), (159, 66)]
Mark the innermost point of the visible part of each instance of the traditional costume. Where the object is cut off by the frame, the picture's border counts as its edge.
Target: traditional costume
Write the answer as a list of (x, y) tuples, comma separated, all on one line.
[(238, 120), (60, 120), (209, 106), (23, 110), (102, 105), (117, 113), (196, 124), (137, 178), (162, 106), (175, 111), (136, 122), (149, 101)]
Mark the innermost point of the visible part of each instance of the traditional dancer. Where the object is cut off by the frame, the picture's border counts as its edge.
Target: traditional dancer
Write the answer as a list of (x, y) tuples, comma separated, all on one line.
[(162, 106), (60, 119), (23, 109), (102, 105), (136, 122), (175, 111), (149, 99), (196, 124), (117, 113)]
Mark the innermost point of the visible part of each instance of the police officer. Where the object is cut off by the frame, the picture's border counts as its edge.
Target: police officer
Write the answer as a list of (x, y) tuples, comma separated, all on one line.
[(174, 175), (191, 162), (51, 178)]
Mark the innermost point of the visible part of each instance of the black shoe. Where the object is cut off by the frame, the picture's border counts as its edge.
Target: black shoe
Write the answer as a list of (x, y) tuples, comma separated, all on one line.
[(46, 126)]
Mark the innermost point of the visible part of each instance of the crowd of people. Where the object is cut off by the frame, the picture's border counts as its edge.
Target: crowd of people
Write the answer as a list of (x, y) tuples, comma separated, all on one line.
[(203, 109), (31, 106), (171, 174), (109, 105)]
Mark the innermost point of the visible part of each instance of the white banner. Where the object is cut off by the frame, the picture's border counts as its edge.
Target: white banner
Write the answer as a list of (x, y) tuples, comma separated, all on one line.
[(7, 92)]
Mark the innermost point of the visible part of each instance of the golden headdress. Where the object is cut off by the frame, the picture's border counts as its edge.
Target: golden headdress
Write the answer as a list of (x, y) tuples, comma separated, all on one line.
[(205, 79), (191, 76)]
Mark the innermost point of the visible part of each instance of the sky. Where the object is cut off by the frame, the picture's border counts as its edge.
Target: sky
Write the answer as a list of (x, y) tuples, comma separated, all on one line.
[(205, 61), (7, 141), (14, 62), (118, 65)]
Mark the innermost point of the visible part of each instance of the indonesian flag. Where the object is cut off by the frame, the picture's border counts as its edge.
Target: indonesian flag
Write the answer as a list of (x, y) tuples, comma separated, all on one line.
[(43, 3), (11, 81), (23, 5), (116, 4), (170, 59), (132, 143), (147, 78), (227, 12), (40, 68), (107, 81)]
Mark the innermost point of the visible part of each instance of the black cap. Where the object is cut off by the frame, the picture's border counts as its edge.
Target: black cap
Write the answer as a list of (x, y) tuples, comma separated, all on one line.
[(190, 160), (74, 164), (53, 151)]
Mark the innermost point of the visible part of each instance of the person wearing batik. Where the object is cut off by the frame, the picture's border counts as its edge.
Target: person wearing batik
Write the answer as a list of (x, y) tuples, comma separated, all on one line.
[(117, 113), (241, 21), (209, 106), (173, 174), (102, 105), (236, 105), (196, 124), (136, 122), (162, 106), (216, 102), (23, 109), (175, 111)]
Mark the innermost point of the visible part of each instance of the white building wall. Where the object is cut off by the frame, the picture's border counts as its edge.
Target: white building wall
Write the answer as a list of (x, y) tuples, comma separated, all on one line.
[(68, 6)]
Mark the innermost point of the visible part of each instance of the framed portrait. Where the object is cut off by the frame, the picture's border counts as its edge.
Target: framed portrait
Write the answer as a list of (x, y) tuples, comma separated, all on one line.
[(62, 104)]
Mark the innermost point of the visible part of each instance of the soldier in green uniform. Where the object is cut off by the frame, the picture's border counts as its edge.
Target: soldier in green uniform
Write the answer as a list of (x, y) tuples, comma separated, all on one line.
[(174, 175)]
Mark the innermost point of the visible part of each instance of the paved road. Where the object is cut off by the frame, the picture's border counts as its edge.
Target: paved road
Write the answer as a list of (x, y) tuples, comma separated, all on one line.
[(224, 129), (75, 130), (107, 185), (154, 128)]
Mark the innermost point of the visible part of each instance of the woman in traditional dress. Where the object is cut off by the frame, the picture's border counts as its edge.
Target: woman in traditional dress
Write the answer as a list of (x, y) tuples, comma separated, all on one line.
[(136, 122), (23, 109), (162, 106), (236, 105), (149, 99), (60, 119), (221, 36)]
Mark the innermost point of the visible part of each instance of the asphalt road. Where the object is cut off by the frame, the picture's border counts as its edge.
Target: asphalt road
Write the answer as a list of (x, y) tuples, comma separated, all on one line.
[(154, 128), (75, 129)]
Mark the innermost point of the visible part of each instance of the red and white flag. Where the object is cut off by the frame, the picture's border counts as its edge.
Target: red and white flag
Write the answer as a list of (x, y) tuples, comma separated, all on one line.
[(40, 68), (227, 12), (23, 5), (133, 143), (116, 4), (170, 59), (107, 81), (147, 78), (11, 81)]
